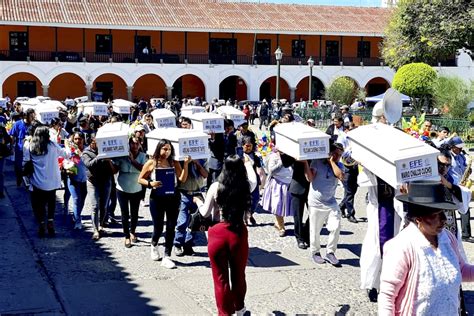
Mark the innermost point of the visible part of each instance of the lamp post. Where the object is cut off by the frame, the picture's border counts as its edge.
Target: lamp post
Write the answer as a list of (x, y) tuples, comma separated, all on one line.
[(278, 57), (310, 64)]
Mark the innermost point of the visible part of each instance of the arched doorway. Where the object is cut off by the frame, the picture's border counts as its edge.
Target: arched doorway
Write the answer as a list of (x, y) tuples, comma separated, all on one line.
[(234, 88), (376, 86), (268, 89), (22, 84), (317, 89), (67, 85), (148, 86), (189, 86), (109, 86)]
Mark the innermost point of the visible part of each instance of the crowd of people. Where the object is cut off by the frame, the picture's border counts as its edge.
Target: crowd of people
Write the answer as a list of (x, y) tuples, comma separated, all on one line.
[(235, 182)]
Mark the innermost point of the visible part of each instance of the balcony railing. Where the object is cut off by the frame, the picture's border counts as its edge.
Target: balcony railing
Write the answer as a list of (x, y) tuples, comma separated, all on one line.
[(94, 57)]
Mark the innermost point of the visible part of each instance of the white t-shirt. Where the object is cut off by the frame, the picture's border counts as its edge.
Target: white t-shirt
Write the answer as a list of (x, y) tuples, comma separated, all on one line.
[(46, 175)]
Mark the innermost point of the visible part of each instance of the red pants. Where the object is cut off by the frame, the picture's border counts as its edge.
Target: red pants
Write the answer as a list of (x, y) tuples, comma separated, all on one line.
[(228, 250)]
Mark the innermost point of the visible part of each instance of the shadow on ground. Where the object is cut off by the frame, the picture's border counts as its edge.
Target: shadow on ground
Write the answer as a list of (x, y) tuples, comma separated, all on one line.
[(83, 275)]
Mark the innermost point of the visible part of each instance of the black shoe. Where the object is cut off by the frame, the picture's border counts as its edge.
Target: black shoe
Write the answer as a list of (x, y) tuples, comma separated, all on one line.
[(302, 245), (41, 231), (114, 221), (352, 219), (51, 231), (468, 239), (372, 294), (343, 213), (252, 220), (188, 250)]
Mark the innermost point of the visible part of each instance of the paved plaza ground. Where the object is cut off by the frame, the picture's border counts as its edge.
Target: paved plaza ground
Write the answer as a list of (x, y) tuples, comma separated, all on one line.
[(71, 274)]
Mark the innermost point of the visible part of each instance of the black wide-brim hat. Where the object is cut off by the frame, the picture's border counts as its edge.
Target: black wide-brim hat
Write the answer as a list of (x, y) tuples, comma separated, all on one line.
[(429, 194)]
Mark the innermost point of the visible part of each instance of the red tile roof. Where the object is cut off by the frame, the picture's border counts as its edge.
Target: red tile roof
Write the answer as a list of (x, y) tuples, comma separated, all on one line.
[(197, 15)]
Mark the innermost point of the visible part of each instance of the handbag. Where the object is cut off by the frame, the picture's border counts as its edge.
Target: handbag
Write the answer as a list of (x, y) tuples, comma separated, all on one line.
[(197, 222), (28, 169)]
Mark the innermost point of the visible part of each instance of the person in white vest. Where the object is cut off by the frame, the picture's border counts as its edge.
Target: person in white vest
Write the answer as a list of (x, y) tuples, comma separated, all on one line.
[(384, 217)]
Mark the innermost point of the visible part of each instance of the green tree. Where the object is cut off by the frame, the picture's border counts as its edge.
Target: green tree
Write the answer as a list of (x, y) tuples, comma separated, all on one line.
[(416, 80), (427, 31), (452, 95), (341, 91)]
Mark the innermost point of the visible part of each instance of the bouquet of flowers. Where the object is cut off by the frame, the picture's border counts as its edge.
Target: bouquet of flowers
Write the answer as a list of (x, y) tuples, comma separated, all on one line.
[(415, 128), (70, 164), (9, 126), (265, 147)]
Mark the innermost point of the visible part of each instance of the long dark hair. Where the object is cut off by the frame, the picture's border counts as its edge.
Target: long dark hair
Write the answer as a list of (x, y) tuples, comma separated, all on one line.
[(161, 143), (39, 142), (233, 195)]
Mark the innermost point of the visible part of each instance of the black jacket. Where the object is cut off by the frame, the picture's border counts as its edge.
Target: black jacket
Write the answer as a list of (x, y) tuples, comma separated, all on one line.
[(98, 170)]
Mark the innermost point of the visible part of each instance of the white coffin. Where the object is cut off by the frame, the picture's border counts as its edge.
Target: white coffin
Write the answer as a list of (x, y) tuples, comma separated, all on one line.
[(187, 111), (301, 141), (208, 122), (52, 104), (231, 113), (121, 106), (112, 140), (94, 108), (45, 114), (185, 142), (164, 118), (81, 99), (393, 155)]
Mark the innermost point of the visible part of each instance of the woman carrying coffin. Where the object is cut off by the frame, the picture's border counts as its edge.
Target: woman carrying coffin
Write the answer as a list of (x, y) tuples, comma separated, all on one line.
[(165, 201)]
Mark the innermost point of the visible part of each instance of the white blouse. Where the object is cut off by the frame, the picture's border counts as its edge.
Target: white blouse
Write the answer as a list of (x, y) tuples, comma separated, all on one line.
[(210, 207), (439, 278)]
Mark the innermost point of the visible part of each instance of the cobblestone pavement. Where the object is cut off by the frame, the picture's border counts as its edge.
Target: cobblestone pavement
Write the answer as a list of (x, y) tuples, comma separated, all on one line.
[(72, 274)]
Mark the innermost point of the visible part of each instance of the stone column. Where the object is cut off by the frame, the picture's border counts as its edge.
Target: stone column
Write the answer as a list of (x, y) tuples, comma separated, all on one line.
[(45, 90), (130, 93), (89, 91), (169, 93), (292, 95)]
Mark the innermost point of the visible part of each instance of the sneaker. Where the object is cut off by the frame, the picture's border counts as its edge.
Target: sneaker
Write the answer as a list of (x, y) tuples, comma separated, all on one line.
[(154, 253), (178, 251), (302, 245), (318, 259), (282, 233), (241, 312), (96, 235), (168, 263), (78, 225), (331, 258)]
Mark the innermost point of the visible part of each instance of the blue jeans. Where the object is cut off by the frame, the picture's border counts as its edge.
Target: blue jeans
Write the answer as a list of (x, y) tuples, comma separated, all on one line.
[(183, 234), (78, 192), (2, 178), (99, 198)]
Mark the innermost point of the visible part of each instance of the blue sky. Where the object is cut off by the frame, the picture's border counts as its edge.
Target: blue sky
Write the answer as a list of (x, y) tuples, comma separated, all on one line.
[(367, 3)]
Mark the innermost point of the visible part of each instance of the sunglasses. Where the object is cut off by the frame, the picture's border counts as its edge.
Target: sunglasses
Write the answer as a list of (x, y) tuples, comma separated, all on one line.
[(443, 165)]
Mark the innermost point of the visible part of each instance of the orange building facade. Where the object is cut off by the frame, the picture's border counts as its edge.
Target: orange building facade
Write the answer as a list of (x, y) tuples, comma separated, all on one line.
[(60, 57)]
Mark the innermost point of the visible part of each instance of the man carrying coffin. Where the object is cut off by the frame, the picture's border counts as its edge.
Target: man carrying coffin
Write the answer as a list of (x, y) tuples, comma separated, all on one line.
[(183, 239), (324, 176), (384, 217), (221, 146)]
